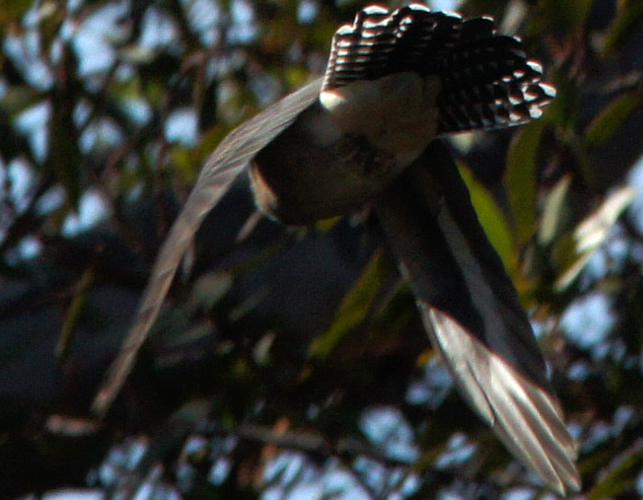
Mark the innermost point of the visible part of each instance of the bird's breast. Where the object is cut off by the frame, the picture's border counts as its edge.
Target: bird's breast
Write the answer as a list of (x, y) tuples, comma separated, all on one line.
[(345, 149), (396, 113)]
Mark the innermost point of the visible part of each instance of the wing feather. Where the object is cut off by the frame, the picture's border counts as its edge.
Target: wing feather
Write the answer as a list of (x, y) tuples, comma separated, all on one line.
[(223, 166), (473, 316)]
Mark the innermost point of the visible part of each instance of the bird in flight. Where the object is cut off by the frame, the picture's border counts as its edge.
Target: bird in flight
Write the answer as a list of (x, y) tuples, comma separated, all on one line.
[(364, 133)]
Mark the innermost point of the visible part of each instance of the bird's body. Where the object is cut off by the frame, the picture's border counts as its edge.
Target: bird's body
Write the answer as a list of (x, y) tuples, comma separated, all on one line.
[(397, 114), (358, 138), (364, 134), (394, 81), (302, 185)]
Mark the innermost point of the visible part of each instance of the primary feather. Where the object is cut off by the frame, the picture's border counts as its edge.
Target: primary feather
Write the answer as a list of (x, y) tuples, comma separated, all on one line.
[(224, 165), (473, 316)]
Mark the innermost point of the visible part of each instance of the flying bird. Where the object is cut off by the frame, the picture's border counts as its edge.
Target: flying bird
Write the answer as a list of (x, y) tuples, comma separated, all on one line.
[(364, 133)]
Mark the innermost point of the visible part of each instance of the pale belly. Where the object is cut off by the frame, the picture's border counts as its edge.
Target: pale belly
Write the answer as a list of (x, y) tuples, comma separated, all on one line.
[(322, 166)]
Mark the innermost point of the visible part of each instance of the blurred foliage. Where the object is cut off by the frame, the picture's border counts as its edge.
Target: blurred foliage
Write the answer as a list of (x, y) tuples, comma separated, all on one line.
[(293, 358)]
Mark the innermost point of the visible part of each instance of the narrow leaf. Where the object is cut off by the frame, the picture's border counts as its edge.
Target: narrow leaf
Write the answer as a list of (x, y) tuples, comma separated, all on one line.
[(355, 307), (521, 179), (621, 478), (628, 20), (74, 314), (604, 126), (554, 212), (492, 218), (593, 232)]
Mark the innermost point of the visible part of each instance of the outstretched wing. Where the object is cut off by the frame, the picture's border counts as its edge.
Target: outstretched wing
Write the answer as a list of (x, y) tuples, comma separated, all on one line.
[(486, 78), (473, 316), (222, 168)]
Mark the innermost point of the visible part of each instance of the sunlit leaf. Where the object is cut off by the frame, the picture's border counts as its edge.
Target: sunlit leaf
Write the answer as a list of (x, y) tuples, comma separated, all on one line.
[(137, 54), (554, 213), (492, 218), (51, 18), (296, 76), (18, 98), (183, 162), (326, 225), (355, 307), (593, 231), (521, 179)]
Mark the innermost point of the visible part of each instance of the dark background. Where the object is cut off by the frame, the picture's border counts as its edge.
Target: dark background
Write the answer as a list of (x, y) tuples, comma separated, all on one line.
[(292, 361)]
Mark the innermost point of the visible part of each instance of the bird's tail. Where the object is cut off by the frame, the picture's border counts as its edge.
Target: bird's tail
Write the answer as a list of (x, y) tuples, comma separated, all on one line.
[(488, 82), (487, 79)]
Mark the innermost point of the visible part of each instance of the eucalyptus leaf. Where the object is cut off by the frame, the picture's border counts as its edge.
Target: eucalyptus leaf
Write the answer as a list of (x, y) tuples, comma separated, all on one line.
[(493, 220), (604, 126), (355, 308), (628, 19), (521, 179), (593, 232), (621, 477), (555, 212)]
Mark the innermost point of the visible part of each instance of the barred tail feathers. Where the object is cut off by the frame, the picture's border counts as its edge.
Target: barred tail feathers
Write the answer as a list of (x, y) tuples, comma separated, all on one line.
[(487, 79), (488, 82)]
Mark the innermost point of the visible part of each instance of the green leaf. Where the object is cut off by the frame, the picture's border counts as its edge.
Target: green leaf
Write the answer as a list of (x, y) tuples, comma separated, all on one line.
[(521, 179), (398, 312), (492, 218), (210, 288), (356, 306), (12, 11), (74, 314), (569, 16), (622, 478), (183, 162), (603, 127), (18, 98), (593, 232), (325, 225), (555, 212), (627, 21)]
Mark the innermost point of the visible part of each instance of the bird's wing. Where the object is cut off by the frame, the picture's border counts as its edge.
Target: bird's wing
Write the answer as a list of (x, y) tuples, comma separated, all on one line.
[(221, 169), (473, 315)]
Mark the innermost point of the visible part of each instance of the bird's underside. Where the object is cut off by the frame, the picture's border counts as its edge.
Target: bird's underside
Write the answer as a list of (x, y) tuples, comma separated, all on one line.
[(363, 134), (394, 82)]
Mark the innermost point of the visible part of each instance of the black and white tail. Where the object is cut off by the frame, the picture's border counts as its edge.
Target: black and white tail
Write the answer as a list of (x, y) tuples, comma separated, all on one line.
[(487, 80)]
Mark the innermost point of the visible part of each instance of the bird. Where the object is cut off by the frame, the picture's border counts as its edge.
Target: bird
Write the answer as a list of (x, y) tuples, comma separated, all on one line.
[(367, 133)]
